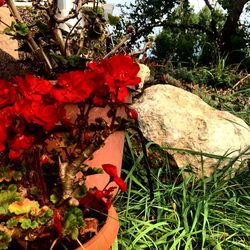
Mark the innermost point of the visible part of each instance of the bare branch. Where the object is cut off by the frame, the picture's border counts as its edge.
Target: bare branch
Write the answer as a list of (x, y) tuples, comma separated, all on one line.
[(32, 43)]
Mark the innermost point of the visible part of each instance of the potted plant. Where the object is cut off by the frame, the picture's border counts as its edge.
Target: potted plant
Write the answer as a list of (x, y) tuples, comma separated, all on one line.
[(49, 133)]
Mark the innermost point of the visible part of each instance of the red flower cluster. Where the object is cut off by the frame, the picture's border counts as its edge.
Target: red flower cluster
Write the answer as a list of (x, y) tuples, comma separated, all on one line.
[(31, 101), (2, 2)]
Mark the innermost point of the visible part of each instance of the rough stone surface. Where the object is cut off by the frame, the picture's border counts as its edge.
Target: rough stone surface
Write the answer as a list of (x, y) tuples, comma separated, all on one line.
[(175, 118)]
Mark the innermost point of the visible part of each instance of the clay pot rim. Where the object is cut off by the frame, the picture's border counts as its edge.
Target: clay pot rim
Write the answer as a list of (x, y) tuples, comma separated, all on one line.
[(111, 225)]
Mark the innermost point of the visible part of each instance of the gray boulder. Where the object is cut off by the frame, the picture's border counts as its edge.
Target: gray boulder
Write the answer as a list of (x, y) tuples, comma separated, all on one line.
[(175, 118)]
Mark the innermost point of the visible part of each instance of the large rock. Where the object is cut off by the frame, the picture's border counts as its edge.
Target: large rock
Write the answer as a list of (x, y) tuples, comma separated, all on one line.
[(175, 118)]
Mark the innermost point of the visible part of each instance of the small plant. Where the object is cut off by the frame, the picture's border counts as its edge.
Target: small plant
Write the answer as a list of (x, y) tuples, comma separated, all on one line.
[(46, 134), (210, 213), (45, 138), (53, 41)]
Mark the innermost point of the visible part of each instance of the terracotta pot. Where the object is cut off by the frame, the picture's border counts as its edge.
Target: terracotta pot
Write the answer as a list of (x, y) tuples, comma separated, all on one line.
[(104, 239), (111, 152)]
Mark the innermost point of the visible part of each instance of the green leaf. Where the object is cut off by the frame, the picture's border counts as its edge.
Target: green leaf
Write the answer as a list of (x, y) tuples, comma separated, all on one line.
[(7, 197), (91, 171), (17, 176), (23, 206), (46, 217), (12, 223), (43, 28), (73, 221), (4, 240), (25, 223), (113, 20), (34, 224), (12, 188), (54, 199), (22, 29), (59, 58), (82, 192), (74, 60)]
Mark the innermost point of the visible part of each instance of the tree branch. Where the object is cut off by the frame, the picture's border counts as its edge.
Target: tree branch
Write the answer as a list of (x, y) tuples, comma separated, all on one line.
[(32, 43)]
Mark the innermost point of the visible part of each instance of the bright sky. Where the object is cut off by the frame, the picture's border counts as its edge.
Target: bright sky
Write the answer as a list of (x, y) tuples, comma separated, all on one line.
[(198, 4)]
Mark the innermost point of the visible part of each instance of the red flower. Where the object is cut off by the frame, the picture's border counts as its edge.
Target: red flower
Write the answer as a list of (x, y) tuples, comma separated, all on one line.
[(32, 87), (132, 114), (2, 2), (122, 94), (58, 218), (44, 159), (74, 87), (99, 194), (121, 71), (101, 91), (110, 169), (19, 144), (7, 115), (105, 194), (121, 183), (98, 68), (46, 115), (7, 93), (3, 135)]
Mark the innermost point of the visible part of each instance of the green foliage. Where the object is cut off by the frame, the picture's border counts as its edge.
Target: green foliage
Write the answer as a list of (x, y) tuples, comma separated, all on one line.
[(113, 20), (45, 217), (73, 221), (4, 240), (71, 62), (21, 29), (26, 223), (218, 76), (8, 173), (12, 222), (213, 77), (7, 197), (23, 206), (91, 171), (176, 46), (191, 37), (54, 198), (211, 213)]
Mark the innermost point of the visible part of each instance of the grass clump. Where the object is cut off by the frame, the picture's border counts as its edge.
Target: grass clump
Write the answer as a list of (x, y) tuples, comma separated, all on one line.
[(211, 213)]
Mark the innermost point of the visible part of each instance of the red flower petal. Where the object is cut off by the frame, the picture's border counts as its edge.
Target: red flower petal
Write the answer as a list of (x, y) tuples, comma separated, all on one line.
[(19, 144), (58, 218), (132, 114), (2, 2), (121, 184), (110, 169)]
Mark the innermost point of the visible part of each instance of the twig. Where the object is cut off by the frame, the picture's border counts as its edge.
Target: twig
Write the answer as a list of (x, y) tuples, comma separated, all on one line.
[(32, 43), (4, 23), (81, 44), (240, 81), (68, 35), (146, 46), (78, 241), (113, 51), (54, 243)]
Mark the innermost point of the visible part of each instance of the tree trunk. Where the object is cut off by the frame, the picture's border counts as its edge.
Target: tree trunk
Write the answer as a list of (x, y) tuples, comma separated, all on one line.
[(230, 27)]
